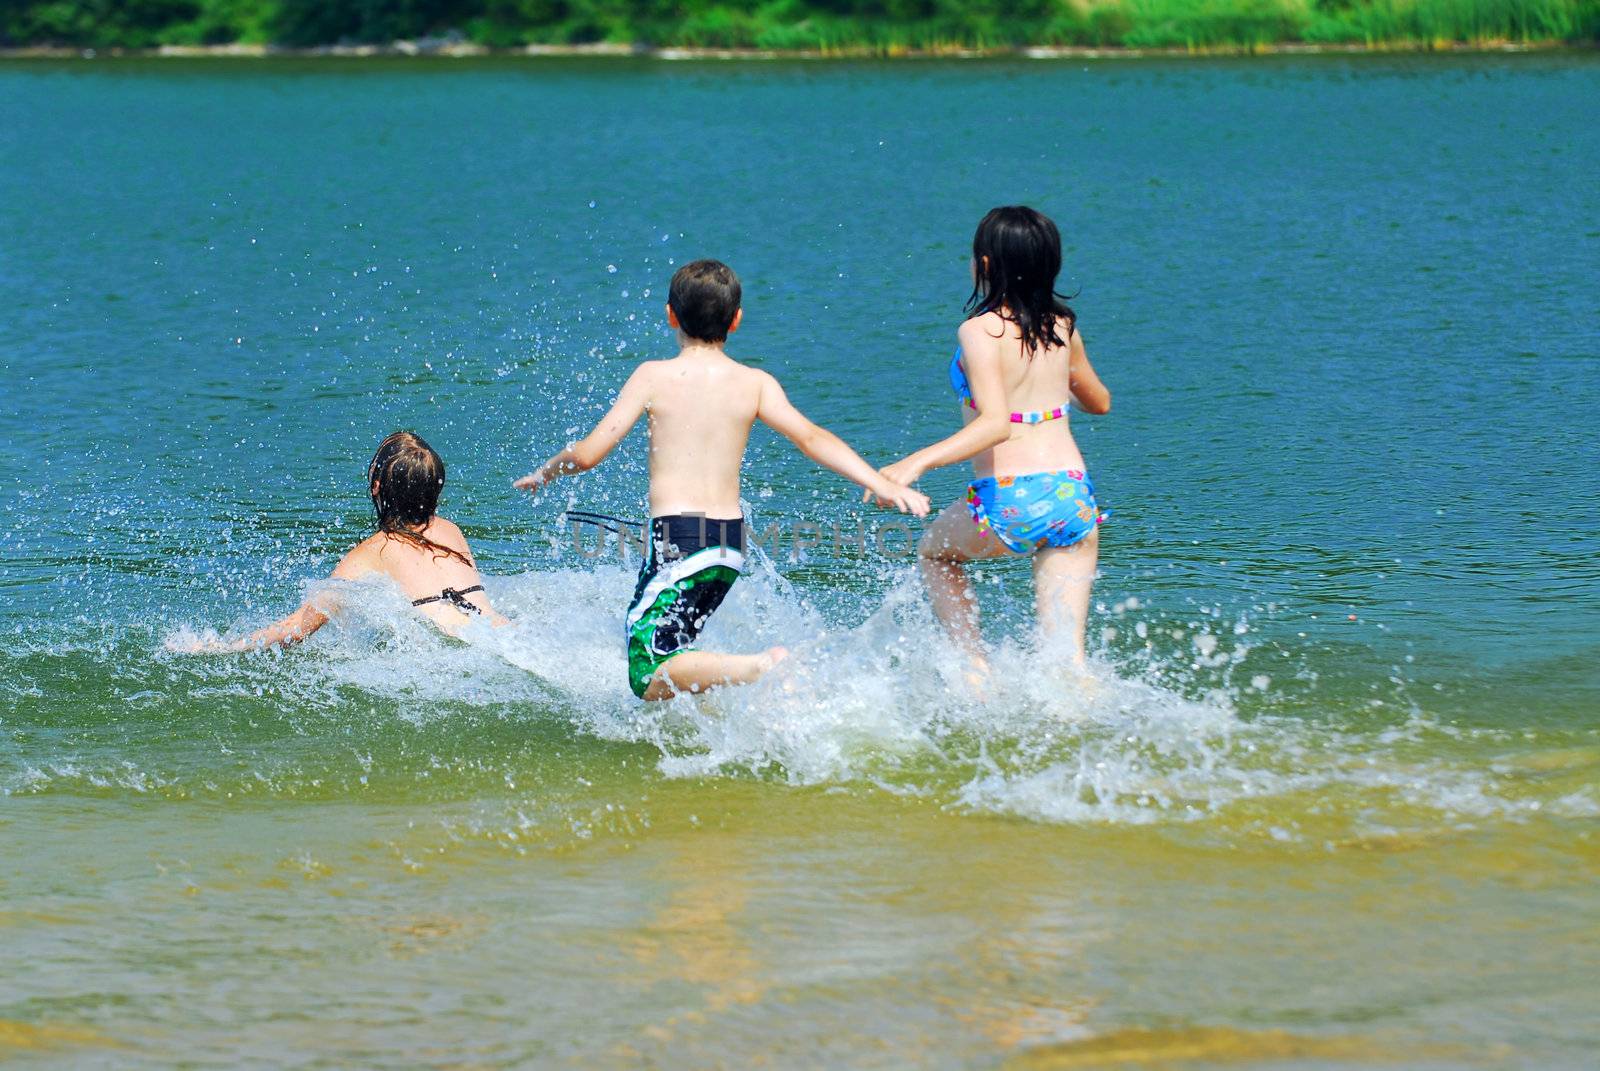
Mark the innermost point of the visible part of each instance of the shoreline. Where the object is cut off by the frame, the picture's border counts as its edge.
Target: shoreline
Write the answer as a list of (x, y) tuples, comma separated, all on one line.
[(671, 53)]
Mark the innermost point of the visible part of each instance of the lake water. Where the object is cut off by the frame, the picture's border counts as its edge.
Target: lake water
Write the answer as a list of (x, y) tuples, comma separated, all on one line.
[(1333, 803)]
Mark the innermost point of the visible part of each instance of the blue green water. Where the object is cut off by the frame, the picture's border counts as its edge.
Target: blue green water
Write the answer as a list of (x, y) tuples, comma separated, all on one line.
[(1334, 803)]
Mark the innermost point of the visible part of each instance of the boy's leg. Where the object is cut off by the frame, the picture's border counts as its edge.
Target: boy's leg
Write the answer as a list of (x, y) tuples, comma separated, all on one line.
[(696, 672), (1062, 579), (949, 544)]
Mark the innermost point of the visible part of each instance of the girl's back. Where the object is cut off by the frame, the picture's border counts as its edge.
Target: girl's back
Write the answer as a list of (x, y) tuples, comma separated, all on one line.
[(1040, 382), (423, 573)]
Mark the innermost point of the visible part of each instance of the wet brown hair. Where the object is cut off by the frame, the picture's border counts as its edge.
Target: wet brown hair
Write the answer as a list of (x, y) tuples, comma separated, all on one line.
[(405, 479)]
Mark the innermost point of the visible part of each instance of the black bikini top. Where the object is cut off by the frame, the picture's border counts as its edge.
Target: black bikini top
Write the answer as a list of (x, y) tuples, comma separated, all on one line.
[(456, 597)]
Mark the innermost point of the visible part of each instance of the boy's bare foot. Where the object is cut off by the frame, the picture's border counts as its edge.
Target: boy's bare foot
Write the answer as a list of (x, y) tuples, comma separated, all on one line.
[(772, 656)]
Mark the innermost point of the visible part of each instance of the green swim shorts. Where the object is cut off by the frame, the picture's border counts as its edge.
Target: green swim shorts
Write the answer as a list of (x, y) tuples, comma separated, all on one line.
[(692, 564)]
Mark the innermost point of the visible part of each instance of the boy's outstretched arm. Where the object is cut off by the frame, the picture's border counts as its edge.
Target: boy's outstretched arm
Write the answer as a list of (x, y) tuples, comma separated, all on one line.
[(830, 451), (592, 449)]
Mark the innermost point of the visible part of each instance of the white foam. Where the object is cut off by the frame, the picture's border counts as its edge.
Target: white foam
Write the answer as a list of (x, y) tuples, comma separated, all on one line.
[(1152, 735)]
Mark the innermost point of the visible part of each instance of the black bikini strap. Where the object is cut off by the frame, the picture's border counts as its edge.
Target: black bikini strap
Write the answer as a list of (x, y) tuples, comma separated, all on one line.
[(457, 597)]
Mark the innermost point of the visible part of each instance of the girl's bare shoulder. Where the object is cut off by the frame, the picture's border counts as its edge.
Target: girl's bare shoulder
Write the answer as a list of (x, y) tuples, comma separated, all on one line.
[(447, 532), (368, 546), (986, 328), (361, 558)]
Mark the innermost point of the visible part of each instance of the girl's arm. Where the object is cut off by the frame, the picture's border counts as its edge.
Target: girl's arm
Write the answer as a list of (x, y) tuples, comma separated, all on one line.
[(980, 357), (592, 449), (828, 450), (292, 629), (1088, 393)]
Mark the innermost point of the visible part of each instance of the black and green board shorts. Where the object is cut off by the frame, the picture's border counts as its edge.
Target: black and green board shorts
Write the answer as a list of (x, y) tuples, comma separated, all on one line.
[(692, 563)]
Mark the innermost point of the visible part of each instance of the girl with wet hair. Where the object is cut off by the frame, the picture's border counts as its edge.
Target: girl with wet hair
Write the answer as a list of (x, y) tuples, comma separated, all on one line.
[(405, 479), (1020, 365), (425, 555)]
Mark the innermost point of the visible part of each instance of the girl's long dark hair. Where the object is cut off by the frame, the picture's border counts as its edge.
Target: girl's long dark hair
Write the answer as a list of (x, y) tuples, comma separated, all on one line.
[(408, 474), (1016, 256)]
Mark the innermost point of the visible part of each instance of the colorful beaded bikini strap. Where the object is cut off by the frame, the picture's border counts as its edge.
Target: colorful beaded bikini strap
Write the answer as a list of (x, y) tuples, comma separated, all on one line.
[(1029, 418), (980, 517)]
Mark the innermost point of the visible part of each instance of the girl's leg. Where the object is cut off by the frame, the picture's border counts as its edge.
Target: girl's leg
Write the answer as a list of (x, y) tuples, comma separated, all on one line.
[(1062, 579), (949, 544)]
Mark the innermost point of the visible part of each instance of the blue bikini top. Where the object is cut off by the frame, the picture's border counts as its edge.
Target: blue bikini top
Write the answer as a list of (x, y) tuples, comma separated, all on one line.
[(958, 383)]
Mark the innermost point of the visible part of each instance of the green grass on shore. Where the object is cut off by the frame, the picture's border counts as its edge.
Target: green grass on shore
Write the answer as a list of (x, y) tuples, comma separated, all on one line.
[(881, 26)]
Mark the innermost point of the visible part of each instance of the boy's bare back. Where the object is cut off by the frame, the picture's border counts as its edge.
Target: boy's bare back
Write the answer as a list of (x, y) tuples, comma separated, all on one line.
[(701, 405)]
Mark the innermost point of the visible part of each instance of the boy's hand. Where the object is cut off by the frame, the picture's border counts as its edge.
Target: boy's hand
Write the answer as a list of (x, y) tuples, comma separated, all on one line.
[(899, 476), (901, 497), (532, 482), (567, 462), (904, 472)]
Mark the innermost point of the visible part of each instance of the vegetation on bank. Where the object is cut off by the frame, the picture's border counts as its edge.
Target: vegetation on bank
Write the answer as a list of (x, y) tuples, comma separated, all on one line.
[(886, 26)]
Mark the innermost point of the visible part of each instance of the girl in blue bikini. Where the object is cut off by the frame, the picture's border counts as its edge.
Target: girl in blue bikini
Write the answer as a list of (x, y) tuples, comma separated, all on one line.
[(1020, 364)]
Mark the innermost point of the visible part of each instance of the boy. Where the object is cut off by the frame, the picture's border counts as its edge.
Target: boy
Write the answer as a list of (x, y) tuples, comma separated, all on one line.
[(702, 404)]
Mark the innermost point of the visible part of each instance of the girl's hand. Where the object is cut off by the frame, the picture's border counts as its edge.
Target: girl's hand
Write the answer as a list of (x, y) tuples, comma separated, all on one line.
[(188, 642), (904, 472), (901, 474)]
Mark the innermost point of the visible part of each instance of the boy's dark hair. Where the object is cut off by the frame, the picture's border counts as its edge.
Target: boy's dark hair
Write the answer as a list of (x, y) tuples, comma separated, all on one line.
[(705, 298)]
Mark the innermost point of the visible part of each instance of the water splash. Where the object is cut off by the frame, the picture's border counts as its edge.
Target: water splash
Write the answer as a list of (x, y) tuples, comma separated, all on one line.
[(1173, 727)]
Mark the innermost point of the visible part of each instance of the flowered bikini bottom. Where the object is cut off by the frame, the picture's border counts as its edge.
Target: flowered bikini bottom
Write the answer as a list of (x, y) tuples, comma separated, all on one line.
[(1041, 509)]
